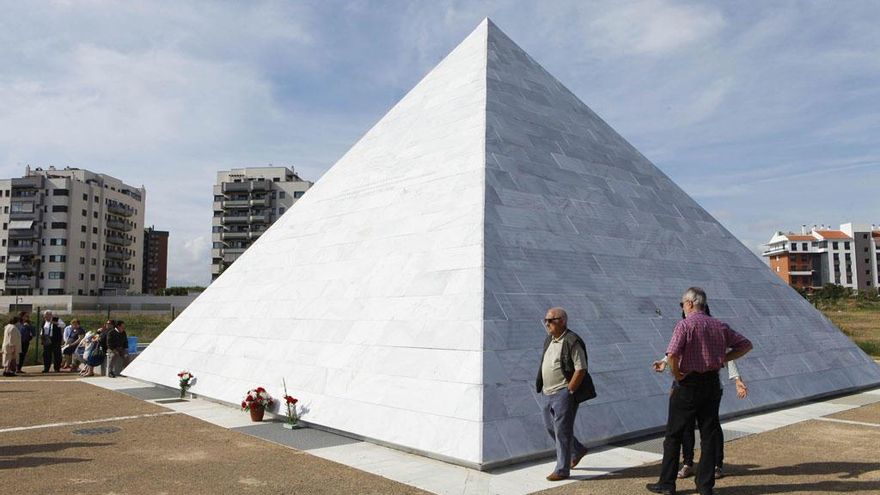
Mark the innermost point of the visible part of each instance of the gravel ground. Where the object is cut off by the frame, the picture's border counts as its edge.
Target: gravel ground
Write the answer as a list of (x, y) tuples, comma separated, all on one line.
[(814, 457), (865, 414), (177, 454)]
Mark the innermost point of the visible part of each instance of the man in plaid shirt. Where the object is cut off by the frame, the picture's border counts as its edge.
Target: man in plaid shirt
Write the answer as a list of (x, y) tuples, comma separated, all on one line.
[(697, 350)]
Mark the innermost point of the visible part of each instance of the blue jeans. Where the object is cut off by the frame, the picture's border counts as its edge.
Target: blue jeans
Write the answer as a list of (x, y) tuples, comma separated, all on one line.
[(559, 411)]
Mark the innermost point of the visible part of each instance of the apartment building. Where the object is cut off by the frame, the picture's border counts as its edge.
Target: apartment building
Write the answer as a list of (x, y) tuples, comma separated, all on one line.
[(246, 202), (70, 231), (155, 276), (848, 256)]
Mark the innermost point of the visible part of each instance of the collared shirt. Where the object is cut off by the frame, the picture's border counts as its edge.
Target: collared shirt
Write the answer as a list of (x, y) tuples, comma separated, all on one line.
[(701, 342), (551, 366)]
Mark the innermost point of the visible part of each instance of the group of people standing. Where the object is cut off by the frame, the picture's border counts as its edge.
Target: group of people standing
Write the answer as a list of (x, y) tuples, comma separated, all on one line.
[(65, 347), (700, 346)]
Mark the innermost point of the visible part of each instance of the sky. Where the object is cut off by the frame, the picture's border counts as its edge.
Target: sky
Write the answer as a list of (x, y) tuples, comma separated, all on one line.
[(767, 113)]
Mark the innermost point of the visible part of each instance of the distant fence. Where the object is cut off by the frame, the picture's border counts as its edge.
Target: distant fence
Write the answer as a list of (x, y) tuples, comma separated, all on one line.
[(98, 304)]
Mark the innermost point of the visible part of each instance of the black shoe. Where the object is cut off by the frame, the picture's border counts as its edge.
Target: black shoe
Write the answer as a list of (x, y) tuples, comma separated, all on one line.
[(658, 488), (111, 375), (21, 371), (45, 371)]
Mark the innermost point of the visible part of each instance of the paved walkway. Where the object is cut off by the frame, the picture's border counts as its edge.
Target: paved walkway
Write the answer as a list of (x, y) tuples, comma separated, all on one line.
[(129, 403)]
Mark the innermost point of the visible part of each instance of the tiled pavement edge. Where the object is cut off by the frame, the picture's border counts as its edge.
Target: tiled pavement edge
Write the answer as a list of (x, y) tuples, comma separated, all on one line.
[(443, 478)]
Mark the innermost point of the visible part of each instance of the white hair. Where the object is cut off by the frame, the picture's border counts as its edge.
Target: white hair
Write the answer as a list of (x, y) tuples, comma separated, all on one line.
[(697, 296)]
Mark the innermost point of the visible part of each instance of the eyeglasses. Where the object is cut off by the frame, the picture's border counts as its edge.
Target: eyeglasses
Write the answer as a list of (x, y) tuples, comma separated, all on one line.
[(548, 320)]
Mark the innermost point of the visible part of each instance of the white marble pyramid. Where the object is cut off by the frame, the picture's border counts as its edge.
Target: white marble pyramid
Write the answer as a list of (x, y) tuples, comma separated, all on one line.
[(400, 298)]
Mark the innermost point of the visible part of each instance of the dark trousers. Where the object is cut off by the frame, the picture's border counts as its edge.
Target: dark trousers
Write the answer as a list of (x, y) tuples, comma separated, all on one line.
[(697, 397), (688, 442), (559, 411), (52, 355), (25, 344)]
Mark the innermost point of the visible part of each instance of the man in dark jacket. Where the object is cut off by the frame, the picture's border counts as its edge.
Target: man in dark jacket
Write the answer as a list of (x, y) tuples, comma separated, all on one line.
[(117, 343), (27, 333), (562, 387), (51, 337)]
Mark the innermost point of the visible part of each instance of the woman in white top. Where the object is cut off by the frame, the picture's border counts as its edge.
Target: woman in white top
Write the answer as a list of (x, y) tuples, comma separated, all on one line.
[(11, 347)]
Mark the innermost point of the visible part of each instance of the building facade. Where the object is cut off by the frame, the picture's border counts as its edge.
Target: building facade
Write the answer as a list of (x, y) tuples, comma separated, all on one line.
[(246, 202), (155, 276), (848, 256), (72, 232)]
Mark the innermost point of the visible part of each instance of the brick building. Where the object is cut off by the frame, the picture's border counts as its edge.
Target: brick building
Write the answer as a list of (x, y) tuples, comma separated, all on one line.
[(848, 256), (155, 260)]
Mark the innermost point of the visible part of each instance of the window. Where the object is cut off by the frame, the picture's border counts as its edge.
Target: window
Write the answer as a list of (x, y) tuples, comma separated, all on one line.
[(94, 230), (298, 194), (94, 245), (5, 226), (804, 246), (22, 208), (60, 192), (59, 225), (85, 197), (96, 199), (845, 245), (55, 292), (794, 246), (85, 213), (280, 210), (95, 214), (82, 228), (79, 292), (56, 275), (59, 208), (94, 262), (280, 194), (92, 277), (82, 244), (57, 242), (57, 258)]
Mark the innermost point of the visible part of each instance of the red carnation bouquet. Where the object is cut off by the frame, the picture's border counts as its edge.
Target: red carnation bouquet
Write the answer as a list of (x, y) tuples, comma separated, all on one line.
[(257, 397), (290, 402)]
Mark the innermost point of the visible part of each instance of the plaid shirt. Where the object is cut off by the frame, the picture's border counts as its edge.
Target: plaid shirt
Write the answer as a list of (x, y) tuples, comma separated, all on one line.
[(702, 342)]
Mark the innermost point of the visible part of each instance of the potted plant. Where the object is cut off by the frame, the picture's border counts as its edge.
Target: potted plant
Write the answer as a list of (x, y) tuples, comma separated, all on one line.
[(292, 415), (256, 401), (186, 380)]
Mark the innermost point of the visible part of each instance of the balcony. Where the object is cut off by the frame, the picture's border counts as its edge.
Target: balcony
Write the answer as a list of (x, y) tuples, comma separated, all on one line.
[(115, 284), (23, 249), (20, 281), (258, 218), (24, 234), (229, 236), (27, 196), (32, 182), (235, 252), (216, 269), (26, 215), (260, 202), (247, 186), (236, 203), (119, 209), (119, 241), (116, 270), (774, 250), (239, 219), (20, 267), (117, 225), (117, 255), (801, 272)]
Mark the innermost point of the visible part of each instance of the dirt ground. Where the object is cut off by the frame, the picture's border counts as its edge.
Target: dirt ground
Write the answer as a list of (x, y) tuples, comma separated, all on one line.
[(814, 457), (177, 454)]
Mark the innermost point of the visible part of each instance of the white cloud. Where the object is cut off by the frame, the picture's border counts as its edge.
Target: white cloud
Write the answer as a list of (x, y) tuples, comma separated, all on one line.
[(652, 27)]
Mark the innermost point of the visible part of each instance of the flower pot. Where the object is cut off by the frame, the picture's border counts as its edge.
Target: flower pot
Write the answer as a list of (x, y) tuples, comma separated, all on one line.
[(257, 412), (182, 393), (292, 426)]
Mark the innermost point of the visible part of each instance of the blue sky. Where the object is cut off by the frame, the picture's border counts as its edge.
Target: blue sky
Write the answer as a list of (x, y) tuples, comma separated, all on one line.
[(767, 113)]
